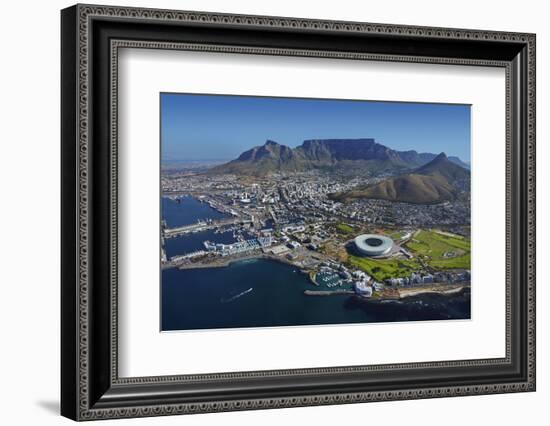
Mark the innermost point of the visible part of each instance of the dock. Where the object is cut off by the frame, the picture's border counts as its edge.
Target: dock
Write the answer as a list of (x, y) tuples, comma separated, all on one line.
[(327, 292), (198, 227)]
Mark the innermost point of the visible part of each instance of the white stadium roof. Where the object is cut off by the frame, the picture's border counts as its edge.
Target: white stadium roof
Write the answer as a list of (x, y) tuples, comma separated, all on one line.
[(373, 244)]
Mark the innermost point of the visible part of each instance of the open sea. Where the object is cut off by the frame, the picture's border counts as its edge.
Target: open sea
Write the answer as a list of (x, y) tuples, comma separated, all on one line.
[(260, 292)]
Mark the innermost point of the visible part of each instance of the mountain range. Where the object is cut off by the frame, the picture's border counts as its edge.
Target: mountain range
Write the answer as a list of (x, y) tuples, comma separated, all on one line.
[(437, 181), (344, 154)]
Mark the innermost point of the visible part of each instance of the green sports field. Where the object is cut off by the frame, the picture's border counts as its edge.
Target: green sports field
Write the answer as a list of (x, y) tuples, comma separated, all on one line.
[(381, 269), (344, 228), (432, 247)]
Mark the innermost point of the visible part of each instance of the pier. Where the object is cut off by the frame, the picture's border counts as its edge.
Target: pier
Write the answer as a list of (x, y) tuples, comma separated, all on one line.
[(327, 292), (198, 227)]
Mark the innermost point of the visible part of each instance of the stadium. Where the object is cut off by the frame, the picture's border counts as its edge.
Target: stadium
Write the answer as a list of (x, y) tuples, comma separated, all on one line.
[(373, 245)]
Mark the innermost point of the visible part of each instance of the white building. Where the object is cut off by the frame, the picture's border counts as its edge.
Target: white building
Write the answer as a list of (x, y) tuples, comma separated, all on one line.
[(362, 289)]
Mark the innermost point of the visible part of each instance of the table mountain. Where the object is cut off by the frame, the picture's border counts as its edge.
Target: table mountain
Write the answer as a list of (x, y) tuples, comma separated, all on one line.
[(346, 154)]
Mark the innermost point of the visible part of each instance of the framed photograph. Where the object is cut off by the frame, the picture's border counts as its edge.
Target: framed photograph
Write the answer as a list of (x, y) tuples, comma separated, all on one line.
[(263, 212)]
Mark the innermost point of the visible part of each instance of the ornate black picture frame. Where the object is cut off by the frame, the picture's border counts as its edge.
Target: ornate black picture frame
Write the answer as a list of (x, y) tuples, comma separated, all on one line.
[(90, 38)]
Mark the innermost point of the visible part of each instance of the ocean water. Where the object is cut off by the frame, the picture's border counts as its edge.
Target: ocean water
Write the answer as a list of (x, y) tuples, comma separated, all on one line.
[(193, 242), (260, 292), (187, 211)]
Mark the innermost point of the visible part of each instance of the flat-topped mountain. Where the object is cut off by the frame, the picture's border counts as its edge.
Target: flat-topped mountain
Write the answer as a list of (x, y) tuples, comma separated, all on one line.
[(435, 182), (348, 154), (334, 150)]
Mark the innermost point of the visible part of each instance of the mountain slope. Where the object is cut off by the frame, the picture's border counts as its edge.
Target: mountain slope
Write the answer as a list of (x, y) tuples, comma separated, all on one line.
[(459, 162), (413, 188), (442, 166), (260, 160), (434, 182), (344, 154)]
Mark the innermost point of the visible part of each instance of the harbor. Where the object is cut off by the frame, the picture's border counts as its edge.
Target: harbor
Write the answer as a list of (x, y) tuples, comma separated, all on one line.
[(219, 242), (243, 253), (201, 298)]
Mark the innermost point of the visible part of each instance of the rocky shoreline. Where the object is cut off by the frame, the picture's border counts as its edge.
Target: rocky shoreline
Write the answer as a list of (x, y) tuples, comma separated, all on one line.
[(442, 289), (400, 293)]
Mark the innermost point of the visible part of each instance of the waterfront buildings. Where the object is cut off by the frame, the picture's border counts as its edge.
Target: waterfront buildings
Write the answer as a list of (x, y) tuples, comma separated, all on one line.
[(294, 218)]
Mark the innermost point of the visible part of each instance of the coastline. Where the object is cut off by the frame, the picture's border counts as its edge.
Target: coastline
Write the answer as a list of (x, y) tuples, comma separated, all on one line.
[(387, 294), (224, 262), (399, 294), (441, 289)]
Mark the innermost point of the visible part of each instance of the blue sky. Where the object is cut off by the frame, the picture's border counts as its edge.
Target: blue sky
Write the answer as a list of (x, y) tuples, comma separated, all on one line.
[(220, 127)]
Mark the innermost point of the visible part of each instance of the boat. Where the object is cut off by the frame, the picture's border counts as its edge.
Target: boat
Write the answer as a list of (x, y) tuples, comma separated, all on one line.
[(231, 299)]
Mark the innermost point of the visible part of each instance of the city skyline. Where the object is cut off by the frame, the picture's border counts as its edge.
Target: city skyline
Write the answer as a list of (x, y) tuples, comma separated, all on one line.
[(197, 127)]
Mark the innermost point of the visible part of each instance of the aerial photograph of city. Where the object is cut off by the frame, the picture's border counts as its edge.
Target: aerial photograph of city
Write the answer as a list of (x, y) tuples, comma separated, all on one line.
[(280, 211)]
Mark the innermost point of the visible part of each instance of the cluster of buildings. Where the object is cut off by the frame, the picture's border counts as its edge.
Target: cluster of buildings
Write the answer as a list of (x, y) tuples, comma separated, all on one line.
[(239, 247), (423, 279), (383, 212), (365, 286), (305, 196), (293, 216)]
